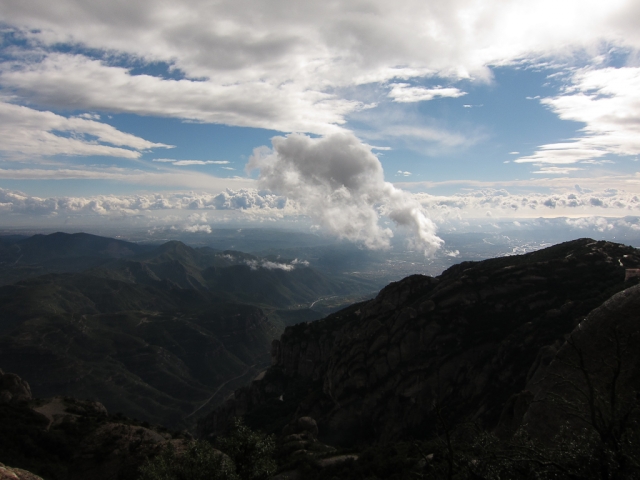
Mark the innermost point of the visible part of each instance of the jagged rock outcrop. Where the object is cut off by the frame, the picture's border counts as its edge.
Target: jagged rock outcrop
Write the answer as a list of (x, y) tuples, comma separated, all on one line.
[(458, 348), (594, 380), (301, 437), (8, 473), (13, 389), (58, 410)]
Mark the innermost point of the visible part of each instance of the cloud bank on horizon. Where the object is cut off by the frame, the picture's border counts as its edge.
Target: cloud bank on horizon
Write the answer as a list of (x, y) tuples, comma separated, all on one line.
[(264, 206), (74, 72)]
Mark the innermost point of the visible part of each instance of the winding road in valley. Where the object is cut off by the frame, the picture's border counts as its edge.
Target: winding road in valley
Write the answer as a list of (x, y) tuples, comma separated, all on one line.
[(322, 298), (220, 388)]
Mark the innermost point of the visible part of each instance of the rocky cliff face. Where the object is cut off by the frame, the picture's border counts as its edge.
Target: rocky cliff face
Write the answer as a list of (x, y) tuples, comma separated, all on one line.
[(594, 380), (456, 348)]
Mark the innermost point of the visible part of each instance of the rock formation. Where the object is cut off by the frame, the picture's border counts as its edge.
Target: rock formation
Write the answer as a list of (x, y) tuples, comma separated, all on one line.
[(594, 379), (8, 473), (13, 389), (459, 348)]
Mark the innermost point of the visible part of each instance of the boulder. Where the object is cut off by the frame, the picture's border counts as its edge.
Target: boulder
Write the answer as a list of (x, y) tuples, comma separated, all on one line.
[(8, 473), (13, 389)]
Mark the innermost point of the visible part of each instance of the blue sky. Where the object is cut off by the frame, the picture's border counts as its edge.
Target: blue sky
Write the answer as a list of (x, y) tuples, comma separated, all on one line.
[(413, 114)]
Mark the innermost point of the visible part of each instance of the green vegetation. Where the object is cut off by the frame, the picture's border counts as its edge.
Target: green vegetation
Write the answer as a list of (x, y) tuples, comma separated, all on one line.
[(199, 462), (251, 451), (244, 455), (474, 455)]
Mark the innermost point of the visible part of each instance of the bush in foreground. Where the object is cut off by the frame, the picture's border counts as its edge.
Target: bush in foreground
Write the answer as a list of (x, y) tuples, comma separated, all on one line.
[(244, 455), (200, 462)]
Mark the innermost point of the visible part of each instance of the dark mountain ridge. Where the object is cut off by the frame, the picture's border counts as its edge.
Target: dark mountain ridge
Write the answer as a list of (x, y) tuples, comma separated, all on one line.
[(60, 252), (156, 332), (269, 281), (155, 353)]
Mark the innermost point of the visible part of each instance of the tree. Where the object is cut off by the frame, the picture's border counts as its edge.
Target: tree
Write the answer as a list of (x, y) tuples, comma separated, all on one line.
[(199, 462), (252, 452)]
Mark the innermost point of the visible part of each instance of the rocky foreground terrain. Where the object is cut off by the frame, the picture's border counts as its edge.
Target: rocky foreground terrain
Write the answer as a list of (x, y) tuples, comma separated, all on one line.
[(511, 346), (66, 438)]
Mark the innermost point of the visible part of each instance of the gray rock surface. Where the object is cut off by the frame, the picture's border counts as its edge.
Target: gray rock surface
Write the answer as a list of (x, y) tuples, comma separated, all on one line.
[(8, 473), (465, 346), (594, 380), (13, 389)]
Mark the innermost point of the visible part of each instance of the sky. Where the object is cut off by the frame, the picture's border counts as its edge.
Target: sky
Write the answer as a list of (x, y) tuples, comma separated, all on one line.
[(354, 118)]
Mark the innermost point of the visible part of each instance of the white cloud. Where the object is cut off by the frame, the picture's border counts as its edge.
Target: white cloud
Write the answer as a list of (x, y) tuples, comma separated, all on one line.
[(255, 264), (607, 101), (251, 200), (197, 229), (248, 39), (132, 176), (500, 203), (404, 174), (182, 163), (416, 133), (191, 211), (547, 170), (267, 65), (405, 93), (598, 223), (25, 132), (75, 81), (197, 204), (339, 183)]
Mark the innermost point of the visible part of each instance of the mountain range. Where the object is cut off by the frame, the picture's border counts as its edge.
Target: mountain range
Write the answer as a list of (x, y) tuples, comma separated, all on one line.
[(156, 332)]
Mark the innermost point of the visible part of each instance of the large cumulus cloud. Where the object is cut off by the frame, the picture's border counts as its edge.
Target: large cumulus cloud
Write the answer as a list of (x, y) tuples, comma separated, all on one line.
[(339, 183)]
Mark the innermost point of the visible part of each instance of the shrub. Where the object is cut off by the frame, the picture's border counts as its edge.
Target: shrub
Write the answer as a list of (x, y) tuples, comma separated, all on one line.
[(252, 452), (200, 462)]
